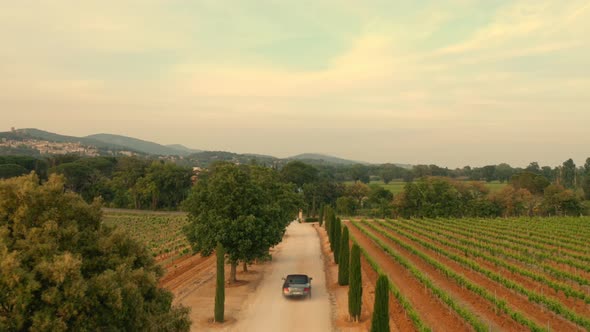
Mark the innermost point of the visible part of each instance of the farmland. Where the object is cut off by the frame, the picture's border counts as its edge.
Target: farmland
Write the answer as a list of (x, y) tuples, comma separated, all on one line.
[(161, 232), (396, 187), (483, 274)]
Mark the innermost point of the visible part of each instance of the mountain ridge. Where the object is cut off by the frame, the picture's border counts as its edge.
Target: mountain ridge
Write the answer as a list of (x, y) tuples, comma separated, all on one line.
[(127, 143)]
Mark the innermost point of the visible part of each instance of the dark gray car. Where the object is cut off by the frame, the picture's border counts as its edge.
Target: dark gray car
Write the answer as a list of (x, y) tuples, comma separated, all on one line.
[(297, 285)]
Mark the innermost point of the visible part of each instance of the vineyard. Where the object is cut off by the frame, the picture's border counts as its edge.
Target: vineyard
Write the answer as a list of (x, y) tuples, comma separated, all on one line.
[(482, 274), (160, 232)]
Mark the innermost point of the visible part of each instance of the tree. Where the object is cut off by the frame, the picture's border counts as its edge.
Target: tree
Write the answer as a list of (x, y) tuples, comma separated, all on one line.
[(561, 201), (512, 202), (62, 269), (380, 200), (355, 291), (337, 237), (346, 205), (344, 258), (534, 168), (586, 179), (321, 216), (359, 172), (331, 230), (504, 172), (359, 191), (532, 182), (244, 207), (11, 170), (586, 187), (299, 173), (220, 286), (568, 174), (489, 172), (380, 322)]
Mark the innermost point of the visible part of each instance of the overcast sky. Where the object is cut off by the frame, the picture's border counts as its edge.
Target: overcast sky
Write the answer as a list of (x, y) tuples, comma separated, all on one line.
[(451, 82)]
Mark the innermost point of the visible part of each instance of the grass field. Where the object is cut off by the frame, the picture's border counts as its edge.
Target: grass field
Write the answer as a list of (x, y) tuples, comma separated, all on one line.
[(161, 232), (492, 274), (398, 186)]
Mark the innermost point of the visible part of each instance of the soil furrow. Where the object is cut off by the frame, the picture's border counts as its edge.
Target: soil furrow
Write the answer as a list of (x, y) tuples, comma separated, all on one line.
[(435, 314), (538, 313)]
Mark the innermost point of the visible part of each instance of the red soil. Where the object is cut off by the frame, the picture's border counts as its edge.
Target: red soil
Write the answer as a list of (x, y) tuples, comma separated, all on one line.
[(577, 305), (431, 310), (398, 319)]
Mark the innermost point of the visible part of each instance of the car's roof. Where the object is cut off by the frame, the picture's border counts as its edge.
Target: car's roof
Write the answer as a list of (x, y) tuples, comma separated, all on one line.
[(297, 275)]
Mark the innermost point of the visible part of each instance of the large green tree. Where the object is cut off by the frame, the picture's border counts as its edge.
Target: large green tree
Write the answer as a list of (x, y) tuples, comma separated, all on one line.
[(568, 174), (246, 208), (299, 173), (62, 269), (355, 290)]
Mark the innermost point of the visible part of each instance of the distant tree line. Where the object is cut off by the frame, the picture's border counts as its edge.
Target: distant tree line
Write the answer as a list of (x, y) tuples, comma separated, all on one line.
[(122, 182), (566, 174), (432, 191), (141, 183)]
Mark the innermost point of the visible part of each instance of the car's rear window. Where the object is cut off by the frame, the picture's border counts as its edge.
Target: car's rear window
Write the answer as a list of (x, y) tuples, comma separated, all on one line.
[(297, 279)]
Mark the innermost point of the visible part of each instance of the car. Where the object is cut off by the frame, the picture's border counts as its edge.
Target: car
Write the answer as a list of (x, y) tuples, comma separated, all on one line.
[(297, 285)]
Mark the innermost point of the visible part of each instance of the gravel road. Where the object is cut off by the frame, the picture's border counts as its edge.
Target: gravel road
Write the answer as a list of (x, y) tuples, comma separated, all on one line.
[(267, 310)]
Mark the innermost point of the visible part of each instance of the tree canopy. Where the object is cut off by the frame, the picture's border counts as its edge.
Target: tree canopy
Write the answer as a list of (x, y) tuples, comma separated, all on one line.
[(62, 269), (246, 208)]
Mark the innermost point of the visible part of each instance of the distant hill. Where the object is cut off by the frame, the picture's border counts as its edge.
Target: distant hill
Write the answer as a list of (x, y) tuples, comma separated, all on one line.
[(180, 147), (322, 158), (139, 145), (109, 144), (52, 137)]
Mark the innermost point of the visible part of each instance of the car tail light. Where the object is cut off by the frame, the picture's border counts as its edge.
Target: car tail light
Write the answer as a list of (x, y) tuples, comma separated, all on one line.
[(306, 289), (286, 290)]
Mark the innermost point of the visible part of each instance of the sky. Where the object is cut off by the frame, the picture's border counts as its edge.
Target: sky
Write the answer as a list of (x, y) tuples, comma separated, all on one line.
[(446, 82)]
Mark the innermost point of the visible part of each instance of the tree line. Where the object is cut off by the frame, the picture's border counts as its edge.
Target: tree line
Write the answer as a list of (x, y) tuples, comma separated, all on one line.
[(429, 190), (121, 182)]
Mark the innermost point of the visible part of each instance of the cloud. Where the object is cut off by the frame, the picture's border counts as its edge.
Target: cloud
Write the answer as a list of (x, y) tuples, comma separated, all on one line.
[(428, 74)]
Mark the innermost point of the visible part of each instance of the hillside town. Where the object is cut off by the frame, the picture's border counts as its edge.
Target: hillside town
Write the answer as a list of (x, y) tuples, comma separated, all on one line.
[(47, 147)]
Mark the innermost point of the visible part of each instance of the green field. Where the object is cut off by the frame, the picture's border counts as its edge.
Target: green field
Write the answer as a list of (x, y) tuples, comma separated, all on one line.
[(161, 232), (397, 187)]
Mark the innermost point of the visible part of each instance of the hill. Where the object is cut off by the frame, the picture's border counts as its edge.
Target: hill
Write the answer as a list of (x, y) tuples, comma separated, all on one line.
[(52, 137), (314, 158), (184, 149), (139, 145)]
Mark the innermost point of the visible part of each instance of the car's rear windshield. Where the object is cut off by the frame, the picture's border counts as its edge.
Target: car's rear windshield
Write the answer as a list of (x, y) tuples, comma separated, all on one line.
[(297, 279)]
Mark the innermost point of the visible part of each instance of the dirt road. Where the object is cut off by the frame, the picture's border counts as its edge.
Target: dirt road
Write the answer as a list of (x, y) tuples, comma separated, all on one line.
[(267, 310)]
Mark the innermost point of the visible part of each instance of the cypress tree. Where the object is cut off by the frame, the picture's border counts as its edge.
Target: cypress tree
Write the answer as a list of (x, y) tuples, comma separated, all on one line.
[(220, 290), (321, 215), (380, 322), (337, 236), (355, 290), (331, 229), (344, 259)]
